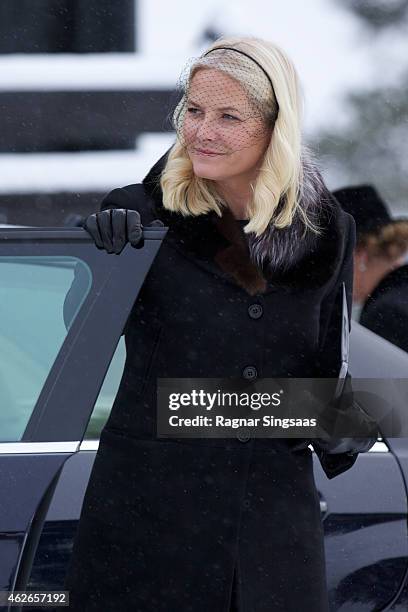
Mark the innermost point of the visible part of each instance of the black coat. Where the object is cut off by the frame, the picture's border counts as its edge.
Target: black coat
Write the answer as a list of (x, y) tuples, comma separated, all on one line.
[(166, 522), (385, 311)]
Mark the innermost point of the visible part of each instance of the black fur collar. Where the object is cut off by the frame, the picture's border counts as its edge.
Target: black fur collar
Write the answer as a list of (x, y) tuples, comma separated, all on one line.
[(287, 258)]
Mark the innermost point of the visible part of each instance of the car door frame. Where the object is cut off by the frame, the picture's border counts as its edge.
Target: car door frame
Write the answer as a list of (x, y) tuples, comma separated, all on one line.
[(30, 467)]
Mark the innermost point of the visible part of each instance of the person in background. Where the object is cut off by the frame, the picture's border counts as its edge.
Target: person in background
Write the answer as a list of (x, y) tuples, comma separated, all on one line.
[(380, 292)]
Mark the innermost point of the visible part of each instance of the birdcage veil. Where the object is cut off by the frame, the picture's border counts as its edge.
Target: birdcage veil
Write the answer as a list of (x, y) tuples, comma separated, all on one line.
[(258, 78), (225, 98)]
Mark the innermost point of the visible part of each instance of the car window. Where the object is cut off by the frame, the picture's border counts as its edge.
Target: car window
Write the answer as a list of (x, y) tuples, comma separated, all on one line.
[(37, 309), (107, 393)]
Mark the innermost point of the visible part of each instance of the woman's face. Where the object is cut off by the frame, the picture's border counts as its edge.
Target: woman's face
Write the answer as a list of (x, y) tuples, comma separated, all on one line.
[(224, 134)]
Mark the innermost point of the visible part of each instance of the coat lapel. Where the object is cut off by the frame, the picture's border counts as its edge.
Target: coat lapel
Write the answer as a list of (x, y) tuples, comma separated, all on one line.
[(235, 258), (284, 258)]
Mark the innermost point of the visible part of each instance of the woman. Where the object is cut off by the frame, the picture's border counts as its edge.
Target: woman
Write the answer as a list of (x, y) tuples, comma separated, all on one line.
[(380, 292), (248, 283)]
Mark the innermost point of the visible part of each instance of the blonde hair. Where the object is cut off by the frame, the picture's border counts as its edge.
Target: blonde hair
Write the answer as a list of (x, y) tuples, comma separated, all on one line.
[(389, 242), (280, 176)]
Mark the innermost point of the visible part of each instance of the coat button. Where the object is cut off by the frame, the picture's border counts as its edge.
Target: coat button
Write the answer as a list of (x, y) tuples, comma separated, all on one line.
[(243, 435), (255, 311), (250, 372)]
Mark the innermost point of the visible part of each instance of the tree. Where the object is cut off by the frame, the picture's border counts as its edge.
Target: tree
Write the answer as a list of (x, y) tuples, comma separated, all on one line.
[(373, 147), (378, 14)]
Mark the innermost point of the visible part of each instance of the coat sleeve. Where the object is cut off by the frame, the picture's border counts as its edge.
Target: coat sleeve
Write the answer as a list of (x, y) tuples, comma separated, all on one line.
[(337, 455), (133, 197)]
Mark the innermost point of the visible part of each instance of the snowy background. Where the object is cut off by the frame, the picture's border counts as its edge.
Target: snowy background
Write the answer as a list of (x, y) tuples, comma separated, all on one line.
[(336, 53)]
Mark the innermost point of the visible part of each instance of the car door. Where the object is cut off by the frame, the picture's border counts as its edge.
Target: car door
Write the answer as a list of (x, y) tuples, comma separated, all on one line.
[(63, 306), (364, 510)]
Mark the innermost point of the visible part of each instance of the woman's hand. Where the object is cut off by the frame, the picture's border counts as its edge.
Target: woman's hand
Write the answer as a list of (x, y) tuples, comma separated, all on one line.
[(112, 229)]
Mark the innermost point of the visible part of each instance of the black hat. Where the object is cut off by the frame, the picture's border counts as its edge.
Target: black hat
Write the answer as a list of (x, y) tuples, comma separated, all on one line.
[(364, 203)]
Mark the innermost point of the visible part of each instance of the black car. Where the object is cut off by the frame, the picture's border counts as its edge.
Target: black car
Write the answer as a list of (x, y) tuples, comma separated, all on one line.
[(61, 360)]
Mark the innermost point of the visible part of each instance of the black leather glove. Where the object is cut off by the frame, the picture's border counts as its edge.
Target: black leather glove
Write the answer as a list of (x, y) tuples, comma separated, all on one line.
[(111, 229), (346, 414)]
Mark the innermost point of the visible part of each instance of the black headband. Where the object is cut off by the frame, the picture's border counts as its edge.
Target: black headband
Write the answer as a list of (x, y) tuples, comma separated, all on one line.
[(251, 58)]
